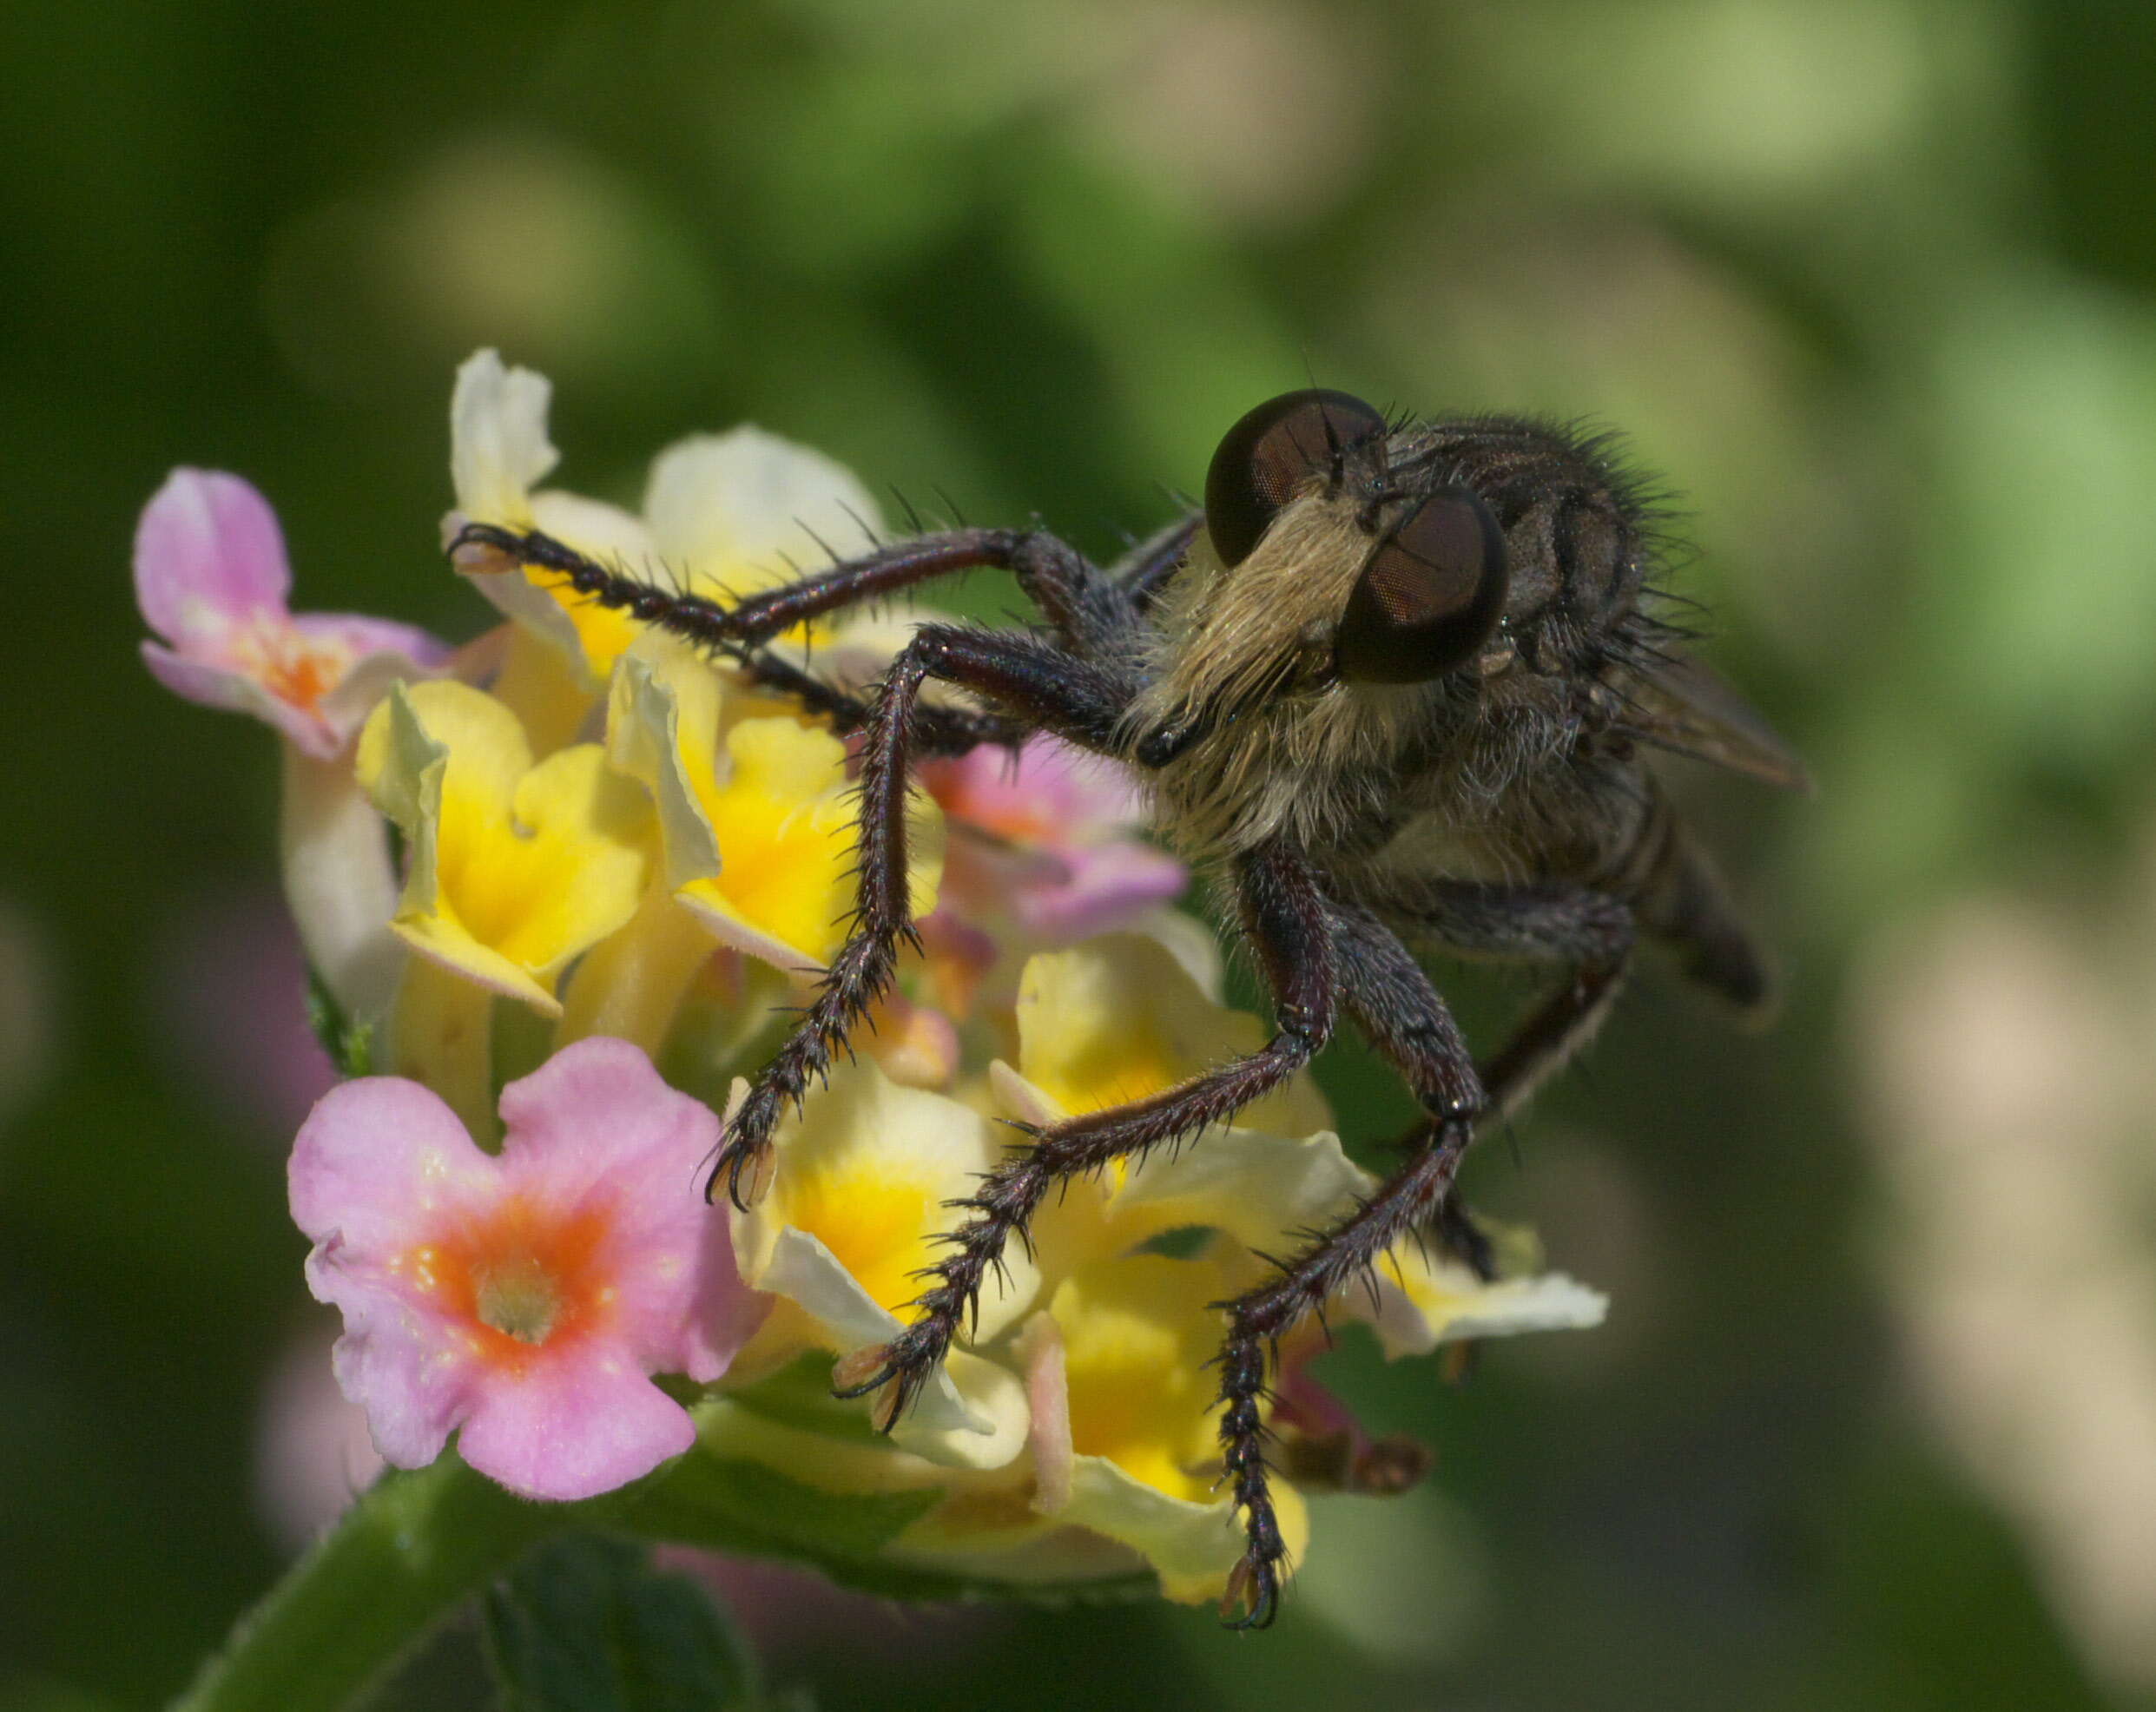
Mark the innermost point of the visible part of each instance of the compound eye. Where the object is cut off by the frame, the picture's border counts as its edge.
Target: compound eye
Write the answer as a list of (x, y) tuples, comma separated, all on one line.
[(1431, 594), (1271, 453)]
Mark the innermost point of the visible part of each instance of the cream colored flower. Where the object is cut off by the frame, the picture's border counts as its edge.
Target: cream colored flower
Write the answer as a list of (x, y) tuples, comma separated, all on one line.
[(855, 1211)]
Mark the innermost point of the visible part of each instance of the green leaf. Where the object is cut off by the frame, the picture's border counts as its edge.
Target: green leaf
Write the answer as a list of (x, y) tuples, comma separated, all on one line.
[(732, 1504), (587, 1625), (738, 1506)]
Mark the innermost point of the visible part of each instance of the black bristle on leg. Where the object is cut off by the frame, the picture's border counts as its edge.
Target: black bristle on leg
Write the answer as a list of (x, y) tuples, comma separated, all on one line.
[(732, 632), (1049, 690), (1284, 918), (1259, 1319)]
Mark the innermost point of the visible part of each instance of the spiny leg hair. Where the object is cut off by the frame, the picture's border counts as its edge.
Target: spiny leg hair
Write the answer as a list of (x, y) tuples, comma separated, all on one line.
[(1284, 917), (1050, 690), (1302, 940), (1391, 1000), (733, 633)]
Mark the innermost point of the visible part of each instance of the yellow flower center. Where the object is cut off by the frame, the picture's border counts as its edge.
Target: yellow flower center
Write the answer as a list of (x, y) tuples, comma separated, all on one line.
[(1136, 1337), (879, 1227)]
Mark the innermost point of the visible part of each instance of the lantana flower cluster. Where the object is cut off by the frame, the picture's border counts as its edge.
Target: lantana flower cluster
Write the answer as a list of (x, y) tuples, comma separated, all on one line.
[(615, 868)]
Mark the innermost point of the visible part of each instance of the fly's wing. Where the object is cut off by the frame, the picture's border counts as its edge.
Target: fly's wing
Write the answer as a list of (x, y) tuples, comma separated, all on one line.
[(1688, 708)]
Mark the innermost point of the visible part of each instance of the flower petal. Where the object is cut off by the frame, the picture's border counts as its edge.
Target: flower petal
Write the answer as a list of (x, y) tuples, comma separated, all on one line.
[(784, 821), (662, 730), (1191, 1546), (372, 1154), (972, 1414), (1421, 1301), (1052, 852), (597, 1120), (398, 1363), (1120, 1017), (867, 1168), (735, 508), (1106, 887), (1259, 1188), (1122, 1357), (372, 1158), (209, 554), (499, 449), (514, 869), (236, 690), (573, 1427)]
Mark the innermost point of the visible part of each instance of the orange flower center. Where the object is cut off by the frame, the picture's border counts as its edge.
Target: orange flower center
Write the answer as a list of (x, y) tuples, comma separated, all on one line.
[(289, 666), (519, 1278), (301, 676)]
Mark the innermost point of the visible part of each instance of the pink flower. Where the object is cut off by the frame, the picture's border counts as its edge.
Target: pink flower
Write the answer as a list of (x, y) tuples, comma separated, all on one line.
[(1049, 846), (524, 1299), (211, 579)]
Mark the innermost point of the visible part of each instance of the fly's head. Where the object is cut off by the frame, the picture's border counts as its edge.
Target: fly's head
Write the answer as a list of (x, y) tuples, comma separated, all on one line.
[(1357, 570)]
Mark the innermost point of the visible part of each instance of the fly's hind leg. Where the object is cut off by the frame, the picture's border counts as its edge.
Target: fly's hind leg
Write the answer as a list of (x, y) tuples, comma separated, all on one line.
[(1390, 997), (1391, 1000), (1591, 932), (1286, 922)]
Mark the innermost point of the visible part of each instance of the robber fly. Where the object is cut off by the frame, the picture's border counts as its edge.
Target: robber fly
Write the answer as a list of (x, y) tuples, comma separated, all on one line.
[(1390, 688)]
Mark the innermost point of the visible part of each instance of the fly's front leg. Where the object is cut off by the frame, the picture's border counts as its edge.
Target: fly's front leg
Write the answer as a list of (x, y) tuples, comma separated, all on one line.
[(1283, 916), (1085, 609), (1046, 689), (1144, 572), (937, 730), (736, 632)]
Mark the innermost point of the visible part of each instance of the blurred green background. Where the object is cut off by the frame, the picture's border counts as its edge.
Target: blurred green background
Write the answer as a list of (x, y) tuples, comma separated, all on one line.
[(1873, 284)]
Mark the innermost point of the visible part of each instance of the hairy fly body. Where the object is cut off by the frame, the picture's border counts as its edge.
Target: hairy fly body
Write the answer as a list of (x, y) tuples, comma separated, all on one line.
[(1390, 688)]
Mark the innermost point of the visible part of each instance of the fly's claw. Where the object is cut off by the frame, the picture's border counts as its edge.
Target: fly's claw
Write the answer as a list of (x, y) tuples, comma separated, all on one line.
[(891, 1373), (748, 1169), (1252, 1600), (489, 550)]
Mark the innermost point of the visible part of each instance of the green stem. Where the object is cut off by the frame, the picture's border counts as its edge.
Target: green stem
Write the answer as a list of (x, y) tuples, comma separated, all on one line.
[(401, 1559)]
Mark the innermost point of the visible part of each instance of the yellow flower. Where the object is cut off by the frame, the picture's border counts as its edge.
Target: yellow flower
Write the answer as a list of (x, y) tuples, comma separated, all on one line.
[(1122, 1017), (498, 451), (855, 1211), (1126, 1422), (514, 869), (757, 819), (1423, 1299)]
